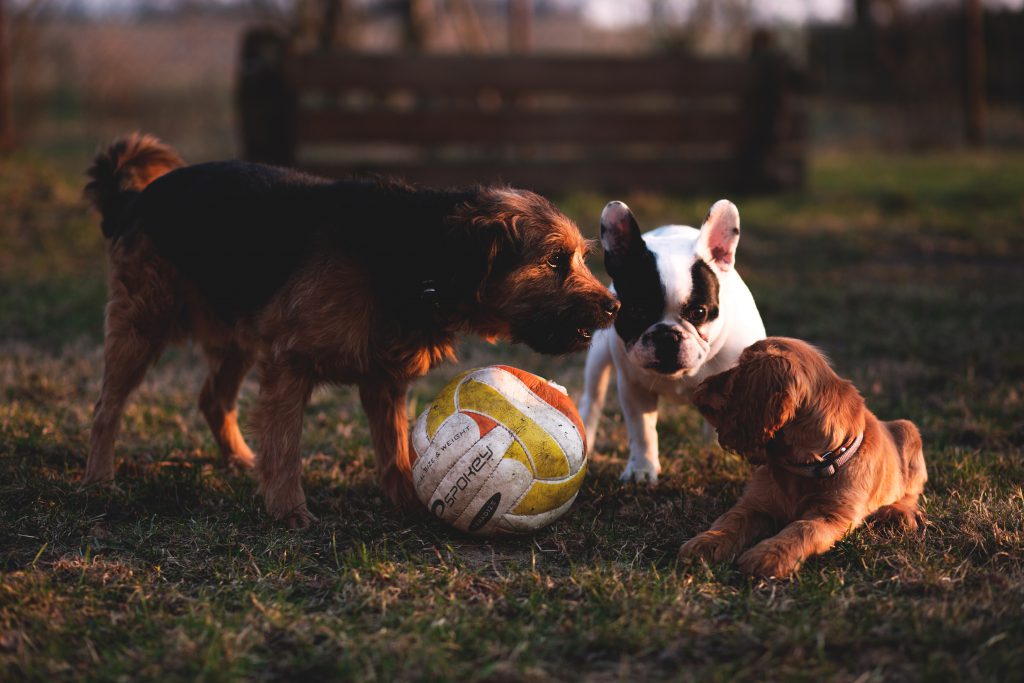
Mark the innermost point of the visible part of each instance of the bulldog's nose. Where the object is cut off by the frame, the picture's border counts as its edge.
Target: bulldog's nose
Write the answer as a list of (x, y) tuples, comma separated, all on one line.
[(612, 307), (667, 333)]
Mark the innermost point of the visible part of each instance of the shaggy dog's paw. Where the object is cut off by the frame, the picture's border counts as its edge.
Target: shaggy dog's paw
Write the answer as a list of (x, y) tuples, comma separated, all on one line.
[(712, 546), (290, 509), (643, 473), (897, 515), (101, 485), (300, 518), (767, 560), (98, 476), (243, 461), (399, 489)]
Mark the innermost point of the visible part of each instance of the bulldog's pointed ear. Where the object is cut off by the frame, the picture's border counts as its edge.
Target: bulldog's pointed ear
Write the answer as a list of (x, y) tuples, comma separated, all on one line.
[(720, 235), (620, 237), (619, 230)]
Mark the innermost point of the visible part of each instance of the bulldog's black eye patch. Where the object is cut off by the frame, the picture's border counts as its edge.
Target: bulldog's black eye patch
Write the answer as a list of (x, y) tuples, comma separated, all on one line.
[(640, 290), (702, 306)]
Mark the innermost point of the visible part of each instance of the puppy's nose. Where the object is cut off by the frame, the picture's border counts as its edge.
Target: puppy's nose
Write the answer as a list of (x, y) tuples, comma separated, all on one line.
[(612, 307)]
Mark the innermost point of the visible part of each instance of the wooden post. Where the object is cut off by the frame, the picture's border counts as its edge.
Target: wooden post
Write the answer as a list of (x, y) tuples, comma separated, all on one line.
[(6, 123), (974, 73), (266, 102), (520, 25)]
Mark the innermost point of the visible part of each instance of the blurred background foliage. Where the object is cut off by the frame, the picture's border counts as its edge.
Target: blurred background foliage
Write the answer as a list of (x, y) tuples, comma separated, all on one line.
[(889, 74)]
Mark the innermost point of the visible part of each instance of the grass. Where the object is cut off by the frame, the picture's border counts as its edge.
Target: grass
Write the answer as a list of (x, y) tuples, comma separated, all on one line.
[(907, 270)]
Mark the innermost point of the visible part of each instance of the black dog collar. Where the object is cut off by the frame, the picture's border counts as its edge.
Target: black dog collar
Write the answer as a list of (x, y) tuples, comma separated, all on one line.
[(830, 462), (429, 294)]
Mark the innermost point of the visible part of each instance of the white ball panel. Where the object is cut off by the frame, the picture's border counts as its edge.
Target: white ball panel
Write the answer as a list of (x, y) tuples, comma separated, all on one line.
[(454, 437), (464, 477), (511, 479)]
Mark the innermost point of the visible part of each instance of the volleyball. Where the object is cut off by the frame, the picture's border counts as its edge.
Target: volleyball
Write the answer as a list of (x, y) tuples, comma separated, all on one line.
[(500, 450)]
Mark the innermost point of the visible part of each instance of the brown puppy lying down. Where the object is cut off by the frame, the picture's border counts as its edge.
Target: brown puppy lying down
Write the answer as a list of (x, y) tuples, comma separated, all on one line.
[(823, 461)]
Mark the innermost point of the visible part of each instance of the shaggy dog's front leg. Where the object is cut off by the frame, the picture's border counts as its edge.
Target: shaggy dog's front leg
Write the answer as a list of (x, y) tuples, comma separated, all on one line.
[(283, 396), (384, 401)]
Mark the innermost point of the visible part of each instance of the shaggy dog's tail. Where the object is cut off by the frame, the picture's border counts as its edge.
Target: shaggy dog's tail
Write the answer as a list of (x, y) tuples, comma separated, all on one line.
[(120, 172)]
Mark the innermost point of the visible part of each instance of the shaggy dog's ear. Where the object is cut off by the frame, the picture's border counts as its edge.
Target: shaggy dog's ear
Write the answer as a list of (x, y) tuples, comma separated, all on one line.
[(763, 399), (489, 233)]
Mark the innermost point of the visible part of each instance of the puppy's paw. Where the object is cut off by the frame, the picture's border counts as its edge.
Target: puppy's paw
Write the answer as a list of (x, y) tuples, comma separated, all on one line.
[(767, 560), (643, 473), (897, 515), (713, 546)]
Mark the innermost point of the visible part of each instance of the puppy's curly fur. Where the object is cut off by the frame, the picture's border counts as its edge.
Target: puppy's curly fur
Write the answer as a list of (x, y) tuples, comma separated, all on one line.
[(315, 282), (784, 406)]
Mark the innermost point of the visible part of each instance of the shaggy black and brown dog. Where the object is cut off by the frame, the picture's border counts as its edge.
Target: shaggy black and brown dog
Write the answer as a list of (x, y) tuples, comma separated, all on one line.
[(314, 281)]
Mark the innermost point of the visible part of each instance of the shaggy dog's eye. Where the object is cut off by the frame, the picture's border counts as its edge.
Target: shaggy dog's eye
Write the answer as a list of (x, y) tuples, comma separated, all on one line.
[(559, 260), (696, 314)]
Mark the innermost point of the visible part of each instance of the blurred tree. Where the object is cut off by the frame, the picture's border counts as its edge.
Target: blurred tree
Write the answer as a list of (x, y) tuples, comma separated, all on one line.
[(520, 25), (339, 26), (711, 26), (420, 22), (471, 31), (6, 124), (974, 72), (877, 12)]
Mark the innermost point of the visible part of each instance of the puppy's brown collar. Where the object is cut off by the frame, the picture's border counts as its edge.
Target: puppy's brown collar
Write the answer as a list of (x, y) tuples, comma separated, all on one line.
[(830, 461)]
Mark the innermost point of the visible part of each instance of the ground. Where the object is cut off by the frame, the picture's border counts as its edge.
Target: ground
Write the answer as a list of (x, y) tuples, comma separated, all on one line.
[(908, 271)]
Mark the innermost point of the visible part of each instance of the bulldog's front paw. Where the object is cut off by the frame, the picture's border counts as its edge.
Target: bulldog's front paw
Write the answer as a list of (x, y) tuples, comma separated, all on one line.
[(640, 473), (768, 560), (713, 546)]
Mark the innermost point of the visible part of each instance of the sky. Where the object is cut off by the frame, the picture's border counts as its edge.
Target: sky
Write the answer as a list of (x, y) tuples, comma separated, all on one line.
[(611, 13)]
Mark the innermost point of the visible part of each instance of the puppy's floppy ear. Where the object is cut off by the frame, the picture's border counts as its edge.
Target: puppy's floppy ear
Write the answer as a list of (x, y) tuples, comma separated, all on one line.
[(720, 235), (837, 408), (621, 239), (712, 394), (763, 399)]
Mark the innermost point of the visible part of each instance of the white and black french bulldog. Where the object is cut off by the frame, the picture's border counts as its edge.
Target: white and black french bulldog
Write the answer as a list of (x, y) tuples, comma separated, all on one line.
[(686, 314)]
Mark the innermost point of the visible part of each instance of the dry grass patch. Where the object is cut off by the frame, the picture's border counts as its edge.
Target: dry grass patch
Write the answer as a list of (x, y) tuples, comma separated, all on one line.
[(910, 278)]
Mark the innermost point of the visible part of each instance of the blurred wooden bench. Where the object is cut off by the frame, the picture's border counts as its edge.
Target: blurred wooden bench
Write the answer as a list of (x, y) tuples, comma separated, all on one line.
[(549, 123)]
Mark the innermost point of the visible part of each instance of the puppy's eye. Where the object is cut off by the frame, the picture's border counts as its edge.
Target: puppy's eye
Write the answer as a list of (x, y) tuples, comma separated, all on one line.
[(559, 260), (696, 314)]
